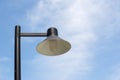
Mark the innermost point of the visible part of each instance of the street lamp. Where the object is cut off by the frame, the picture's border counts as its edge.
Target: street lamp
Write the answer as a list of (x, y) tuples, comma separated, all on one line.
[(51, 46)]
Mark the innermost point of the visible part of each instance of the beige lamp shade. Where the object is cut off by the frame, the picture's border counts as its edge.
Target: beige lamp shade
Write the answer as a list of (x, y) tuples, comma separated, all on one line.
[(53, 46)]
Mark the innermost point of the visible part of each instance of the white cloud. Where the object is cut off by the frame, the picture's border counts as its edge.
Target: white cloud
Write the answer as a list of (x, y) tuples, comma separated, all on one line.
[(76, 22)]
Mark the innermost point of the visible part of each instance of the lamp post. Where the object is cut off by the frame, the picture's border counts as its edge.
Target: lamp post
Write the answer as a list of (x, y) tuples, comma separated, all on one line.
[(51, 46)]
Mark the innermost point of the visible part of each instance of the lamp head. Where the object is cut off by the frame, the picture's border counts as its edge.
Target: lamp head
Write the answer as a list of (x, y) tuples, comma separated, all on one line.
[(53, 45)]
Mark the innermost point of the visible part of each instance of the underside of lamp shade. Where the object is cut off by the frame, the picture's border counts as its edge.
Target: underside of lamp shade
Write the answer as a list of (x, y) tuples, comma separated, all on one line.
[(53, 45)]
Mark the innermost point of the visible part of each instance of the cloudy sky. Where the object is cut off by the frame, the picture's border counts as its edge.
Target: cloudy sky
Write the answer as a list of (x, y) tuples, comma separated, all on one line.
[(91, 26)]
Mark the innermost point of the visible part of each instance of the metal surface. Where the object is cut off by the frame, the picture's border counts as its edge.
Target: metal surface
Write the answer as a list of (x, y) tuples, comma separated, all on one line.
[(33, 34), (52, 32), (17, 66)]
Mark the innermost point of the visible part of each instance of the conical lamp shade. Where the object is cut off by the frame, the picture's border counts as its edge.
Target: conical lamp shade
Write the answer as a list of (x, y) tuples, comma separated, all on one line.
[(53, 45)]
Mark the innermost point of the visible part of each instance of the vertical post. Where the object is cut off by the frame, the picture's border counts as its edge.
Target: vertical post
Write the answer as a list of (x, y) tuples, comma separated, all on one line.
[(17, 60)]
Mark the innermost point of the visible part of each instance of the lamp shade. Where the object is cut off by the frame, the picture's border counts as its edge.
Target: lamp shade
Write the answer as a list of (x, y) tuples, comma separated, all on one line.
[(53, 45)]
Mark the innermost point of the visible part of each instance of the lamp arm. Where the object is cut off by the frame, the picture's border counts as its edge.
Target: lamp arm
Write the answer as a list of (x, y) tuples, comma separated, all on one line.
[(33, 34)]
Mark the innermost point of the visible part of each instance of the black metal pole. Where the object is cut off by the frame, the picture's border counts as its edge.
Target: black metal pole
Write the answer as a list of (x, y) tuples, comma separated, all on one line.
[(17, 58)]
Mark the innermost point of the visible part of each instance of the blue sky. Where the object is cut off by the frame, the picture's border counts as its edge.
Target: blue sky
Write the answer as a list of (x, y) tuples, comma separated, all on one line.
[(91, 26)]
